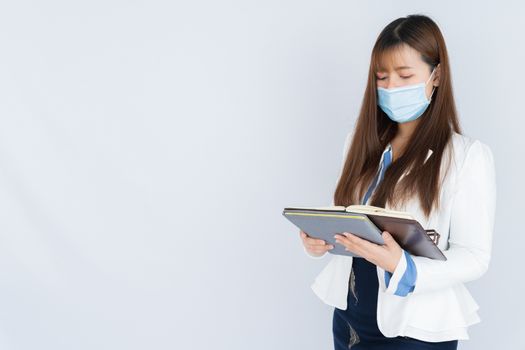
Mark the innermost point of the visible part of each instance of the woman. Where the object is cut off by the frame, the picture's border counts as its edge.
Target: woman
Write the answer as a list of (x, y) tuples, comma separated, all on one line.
[(407, 153)]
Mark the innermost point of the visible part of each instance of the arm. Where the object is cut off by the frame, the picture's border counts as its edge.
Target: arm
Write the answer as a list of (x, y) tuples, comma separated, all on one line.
[(471, 226)]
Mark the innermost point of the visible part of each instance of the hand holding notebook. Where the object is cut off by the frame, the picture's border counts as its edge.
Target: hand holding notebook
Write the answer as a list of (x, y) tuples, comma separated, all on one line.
[(367, 222)]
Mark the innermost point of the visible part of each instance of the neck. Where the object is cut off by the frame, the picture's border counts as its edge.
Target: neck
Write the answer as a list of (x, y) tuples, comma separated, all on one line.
[(405, 130)]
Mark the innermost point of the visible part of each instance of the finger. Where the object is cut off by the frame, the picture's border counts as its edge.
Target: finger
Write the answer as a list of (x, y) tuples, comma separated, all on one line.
[(320, 249), (360, 241), (302, 235), (311, 240), (360, 244), (389, 239), (315, 241), (306, 238), (351, 247), (321, 246)]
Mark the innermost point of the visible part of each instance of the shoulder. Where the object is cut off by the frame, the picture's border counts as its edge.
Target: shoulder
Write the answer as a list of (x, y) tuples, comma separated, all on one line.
[(466, 148), (472, 157)]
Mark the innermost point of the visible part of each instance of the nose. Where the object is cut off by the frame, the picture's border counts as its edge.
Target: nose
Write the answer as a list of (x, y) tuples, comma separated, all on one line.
[(392, 83)]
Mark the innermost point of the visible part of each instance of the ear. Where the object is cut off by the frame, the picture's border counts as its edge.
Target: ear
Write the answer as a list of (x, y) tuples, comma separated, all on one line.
[(437, 75)]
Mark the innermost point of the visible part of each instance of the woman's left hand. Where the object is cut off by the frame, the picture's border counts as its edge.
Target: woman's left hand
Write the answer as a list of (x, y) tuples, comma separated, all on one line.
[(385, 256)]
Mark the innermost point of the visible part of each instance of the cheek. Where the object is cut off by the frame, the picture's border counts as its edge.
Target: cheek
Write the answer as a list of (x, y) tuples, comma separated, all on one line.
[(382, 83)]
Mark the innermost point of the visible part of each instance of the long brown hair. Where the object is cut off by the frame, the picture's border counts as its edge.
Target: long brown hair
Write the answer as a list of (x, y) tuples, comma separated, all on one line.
[(374, 129)]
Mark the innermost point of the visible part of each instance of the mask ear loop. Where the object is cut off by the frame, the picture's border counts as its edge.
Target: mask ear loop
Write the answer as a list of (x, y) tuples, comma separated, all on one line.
[(430, 98), (434, 88), (433, 70)]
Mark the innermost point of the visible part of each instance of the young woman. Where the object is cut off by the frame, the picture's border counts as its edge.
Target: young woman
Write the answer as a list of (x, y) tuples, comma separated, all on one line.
[(407, 152)]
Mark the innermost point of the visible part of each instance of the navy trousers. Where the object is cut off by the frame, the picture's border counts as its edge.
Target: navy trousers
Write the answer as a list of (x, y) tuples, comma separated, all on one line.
[(356, 327)]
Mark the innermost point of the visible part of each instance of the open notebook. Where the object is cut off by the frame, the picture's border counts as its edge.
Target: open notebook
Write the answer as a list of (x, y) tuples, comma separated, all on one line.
[(367, 222)]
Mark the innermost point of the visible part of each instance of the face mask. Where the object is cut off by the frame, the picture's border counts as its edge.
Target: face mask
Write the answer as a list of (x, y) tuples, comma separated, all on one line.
[(404, 103)]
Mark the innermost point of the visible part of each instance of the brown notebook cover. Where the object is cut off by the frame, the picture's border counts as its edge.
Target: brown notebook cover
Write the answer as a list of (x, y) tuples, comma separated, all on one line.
[(410, 235)]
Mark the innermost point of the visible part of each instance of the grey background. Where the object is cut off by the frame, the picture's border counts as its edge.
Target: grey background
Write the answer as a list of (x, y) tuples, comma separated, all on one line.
[(147, 149)]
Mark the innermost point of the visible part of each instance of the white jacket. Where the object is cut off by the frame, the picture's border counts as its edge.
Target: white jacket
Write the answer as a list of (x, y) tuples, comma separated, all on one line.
[(440, 308)]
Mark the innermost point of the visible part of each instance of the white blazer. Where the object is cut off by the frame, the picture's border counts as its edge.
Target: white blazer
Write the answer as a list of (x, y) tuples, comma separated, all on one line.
[(440, 308)]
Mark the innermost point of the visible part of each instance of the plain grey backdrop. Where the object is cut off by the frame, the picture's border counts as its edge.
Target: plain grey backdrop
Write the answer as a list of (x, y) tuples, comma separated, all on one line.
[(147, 149)]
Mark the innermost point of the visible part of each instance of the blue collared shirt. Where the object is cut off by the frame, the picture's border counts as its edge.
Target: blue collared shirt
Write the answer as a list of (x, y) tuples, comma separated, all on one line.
[(407, 282)]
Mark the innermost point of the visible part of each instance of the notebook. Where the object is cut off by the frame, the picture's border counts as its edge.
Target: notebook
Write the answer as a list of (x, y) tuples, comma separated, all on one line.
[(367, 222)]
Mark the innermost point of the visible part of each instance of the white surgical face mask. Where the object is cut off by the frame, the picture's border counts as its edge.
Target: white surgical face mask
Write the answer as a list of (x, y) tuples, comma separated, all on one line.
[(404, 103)]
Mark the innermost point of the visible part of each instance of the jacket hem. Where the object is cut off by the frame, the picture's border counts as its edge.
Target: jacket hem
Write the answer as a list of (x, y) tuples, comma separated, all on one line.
[(434, 337), (324, 299)]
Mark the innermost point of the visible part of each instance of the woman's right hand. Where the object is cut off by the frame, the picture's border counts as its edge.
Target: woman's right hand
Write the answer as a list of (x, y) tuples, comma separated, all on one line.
[(314, 246)]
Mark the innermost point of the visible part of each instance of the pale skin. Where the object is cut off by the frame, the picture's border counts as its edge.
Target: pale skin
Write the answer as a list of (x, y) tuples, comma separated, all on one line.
[(400, 67)]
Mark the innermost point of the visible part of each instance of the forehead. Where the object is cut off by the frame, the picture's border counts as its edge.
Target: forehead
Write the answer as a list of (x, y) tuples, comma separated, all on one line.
[(398, 57)]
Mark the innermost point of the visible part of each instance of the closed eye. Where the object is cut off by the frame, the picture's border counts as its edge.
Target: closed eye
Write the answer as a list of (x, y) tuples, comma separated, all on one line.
[(406, 77)]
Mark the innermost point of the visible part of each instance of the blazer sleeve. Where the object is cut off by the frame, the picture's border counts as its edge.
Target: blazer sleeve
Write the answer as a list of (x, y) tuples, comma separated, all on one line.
[(471, 226), (346, 147), (403, 280)]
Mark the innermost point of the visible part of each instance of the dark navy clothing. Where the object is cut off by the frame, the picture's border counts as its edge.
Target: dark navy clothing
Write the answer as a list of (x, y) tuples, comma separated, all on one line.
[(356, 327)]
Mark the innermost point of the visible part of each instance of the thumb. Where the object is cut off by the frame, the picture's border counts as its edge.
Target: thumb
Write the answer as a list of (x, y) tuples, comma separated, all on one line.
[(387, 237)]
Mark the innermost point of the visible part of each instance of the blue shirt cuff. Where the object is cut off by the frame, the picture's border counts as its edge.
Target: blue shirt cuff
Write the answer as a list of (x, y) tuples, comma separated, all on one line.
[(407, 283)]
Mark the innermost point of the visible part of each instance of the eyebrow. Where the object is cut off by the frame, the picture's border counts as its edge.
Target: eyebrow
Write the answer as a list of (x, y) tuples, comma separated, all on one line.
[(396, 68)]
